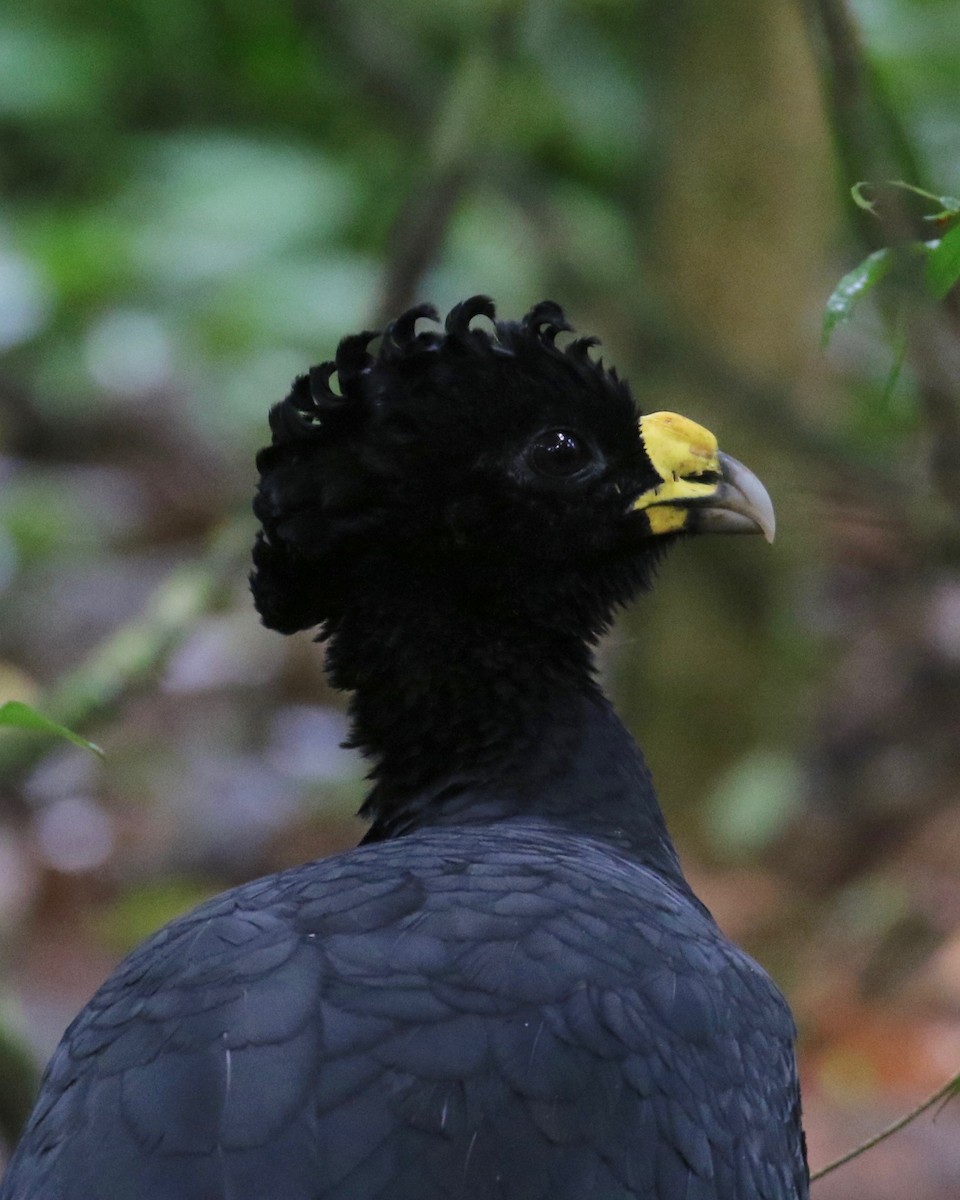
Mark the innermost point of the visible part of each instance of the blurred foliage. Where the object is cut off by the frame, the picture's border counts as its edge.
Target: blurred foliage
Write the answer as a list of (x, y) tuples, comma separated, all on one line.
[(19, 1084), (199, 199), (921, 266)]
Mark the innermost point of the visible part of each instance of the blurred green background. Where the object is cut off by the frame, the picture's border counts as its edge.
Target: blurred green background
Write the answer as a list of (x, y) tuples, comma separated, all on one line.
[(200, 197)]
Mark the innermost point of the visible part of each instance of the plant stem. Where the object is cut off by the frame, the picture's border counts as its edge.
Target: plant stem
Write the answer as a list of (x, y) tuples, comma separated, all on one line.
[(950, 1088)]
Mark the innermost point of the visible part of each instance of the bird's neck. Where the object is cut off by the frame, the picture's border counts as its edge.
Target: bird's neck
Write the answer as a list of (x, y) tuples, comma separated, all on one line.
[(486, 723)]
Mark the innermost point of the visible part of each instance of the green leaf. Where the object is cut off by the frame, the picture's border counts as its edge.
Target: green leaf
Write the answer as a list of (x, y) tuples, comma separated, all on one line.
[(943, 263), (853, 287), (16, 714)]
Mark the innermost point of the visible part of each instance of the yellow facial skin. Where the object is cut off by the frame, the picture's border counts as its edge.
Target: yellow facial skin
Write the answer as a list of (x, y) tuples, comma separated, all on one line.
[(701, 489)]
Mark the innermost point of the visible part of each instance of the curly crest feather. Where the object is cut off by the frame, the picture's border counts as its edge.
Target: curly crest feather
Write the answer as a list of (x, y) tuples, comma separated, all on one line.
[(342, 438)]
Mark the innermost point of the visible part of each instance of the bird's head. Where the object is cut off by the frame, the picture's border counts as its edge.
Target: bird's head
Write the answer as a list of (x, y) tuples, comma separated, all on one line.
[(484, 465)]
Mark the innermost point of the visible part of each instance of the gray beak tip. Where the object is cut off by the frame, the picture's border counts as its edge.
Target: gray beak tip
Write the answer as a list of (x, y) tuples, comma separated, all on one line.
[(742, 494)]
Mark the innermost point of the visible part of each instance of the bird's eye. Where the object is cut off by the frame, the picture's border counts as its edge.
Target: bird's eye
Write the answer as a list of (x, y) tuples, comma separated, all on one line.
[(558, 453)]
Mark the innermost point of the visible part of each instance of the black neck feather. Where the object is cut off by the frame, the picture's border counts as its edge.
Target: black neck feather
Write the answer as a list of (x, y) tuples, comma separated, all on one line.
[(468, 720)]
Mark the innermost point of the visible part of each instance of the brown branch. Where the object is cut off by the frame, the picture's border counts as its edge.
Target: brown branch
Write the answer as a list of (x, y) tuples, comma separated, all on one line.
[(416, 240), (871, 142), (456, 147)]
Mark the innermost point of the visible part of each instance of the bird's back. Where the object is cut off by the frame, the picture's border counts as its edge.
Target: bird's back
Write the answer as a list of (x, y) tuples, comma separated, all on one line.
[(507, 1013)]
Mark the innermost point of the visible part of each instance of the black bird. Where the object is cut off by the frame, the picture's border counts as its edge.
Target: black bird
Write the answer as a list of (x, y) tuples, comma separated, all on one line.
[(509, 991)]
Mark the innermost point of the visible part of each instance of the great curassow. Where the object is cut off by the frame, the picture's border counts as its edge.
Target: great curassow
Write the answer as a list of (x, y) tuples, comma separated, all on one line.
[(509, 991)]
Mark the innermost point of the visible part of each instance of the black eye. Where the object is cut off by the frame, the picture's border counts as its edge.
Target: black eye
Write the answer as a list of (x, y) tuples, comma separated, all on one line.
[(557, 453)]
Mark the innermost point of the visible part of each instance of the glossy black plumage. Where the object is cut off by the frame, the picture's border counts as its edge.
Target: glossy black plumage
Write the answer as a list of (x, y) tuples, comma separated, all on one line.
[(511, 992)]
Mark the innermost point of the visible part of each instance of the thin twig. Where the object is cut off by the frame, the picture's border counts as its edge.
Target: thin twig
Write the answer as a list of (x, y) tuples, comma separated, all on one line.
[(952, 1087)]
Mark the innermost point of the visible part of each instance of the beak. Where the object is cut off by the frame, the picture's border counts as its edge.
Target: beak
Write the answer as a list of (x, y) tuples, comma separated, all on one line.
[(701, 490)]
